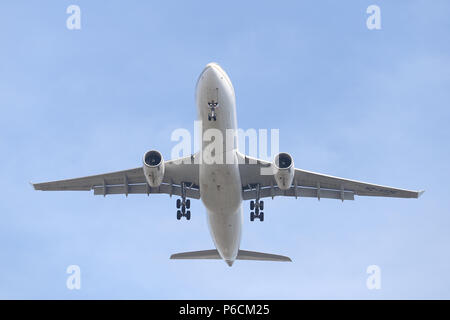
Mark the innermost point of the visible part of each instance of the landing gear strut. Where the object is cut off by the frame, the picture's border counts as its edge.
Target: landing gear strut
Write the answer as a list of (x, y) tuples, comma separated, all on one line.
[(257, 206), (183, 204)]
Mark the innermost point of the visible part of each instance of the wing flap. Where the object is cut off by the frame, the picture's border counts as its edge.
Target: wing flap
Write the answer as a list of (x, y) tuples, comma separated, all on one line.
[(301, 192), (164, 188)]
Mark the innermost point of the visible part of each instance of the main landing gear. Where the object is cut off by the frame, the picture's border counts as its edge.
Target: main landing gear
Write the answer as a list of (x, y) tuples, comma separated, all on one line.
[(183, 204), (256, 207)]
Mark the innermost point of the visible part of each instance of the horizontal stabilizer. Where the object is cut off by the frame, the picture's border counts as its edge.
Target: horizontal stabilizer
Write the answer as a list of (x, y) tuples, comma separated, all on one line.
[(242, 255), (252, 255), (204, 254)]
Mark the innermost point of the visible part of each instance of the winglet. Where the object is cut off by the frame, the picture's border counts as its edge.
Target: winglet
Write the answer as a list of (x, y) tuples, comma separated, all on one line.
[(420, 193)]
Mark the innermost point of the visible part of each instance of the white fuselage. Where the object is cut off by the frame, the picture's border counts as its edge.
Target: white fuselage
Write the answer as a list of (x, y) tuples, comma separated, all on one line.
[(220, 183)]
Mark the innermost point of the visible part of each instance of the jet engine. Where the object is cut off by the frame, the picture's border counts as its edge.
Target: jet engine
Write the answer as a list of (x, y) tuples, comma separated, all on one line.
[(284, 170), (154, 168)]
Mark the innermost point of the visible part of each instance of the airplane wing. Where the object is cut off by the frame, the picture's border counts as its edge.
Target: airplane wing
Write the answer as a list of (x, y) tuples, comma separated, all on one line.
[(310, 184), (133, 181)]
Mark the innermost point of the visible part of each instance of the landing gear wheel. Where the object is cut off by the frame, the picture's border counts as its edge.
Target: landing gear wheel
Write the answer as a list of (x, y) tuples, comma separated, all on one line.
[(178, 203), (188, 203), (261, 205), (178, 214), (252, 216), (209, 118), (214, 117), (188, 215), (252, 205), (261, 216)]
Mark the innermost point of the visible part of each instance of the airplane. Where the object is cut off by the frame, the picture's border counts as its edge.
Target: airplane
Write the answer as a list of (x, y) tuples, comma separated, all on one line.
[(222, 187)]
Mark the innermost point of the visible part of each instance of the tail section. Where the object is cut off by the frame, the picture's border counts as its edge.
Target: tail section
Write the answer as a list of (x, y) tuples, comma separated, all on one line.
[(242, 255)]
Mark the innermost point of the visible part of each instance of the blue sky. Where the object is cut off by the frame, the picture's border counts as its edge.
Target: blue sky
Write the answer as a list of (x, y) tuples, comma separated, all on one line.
[(366, 105)]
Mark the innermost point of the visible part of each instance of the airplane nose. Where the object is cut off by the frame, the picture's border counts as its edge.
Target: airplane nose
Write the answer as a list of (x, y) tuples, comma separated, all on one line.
[(211, 64), (210, 77), (211, 71), (213, 76)]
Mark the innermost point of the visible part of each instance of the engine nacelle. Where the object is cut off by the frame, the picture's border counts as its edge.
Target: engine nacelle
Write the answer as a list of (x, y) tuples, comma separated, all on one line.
[(284, 170), (154, 168)]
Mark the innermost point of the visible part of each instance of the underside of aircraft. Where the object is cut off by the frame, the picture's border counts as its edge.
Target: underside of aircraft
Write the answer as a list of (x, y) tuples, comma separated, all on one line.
[(223, 187)]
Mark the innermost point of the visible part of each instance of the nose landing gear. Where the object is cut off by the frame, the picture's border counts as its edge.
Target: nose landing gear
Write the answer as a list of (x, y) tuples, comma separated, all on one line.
[(183, 204), (212, 110)]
